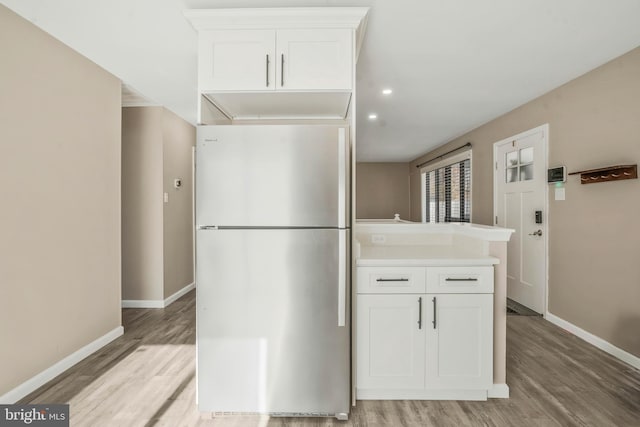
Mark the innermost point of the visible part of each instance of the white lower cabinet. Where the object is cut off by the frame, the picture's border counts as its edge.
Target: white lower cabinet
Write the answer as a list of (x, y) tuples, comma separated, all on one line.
[(424, 345), (459, 341), (391, 343)]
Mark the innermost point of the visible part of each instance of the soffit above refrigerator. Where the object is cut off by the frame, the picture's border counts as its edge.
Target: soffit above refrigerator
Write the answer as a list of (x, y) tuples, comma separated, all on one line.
[(282, 105)]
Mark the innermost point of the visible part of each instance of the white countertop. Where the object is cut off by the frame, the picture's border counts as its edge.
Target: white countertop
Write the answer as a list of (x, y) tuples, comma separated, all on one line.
[(426, 256), (479, 231), (405, 243)]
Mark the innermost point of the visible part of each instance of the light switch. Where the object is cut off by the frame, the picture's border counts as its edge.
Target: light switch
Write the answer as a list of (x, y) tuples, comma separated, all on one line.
[(559, 193), (166, 197)]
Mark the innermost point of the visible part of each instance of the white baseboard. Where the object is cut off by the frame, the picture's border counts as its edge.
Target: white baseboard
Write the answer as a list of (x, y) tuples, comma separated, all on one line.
[(595, 341), (178, 294), (142, 303), (419, 394), (157, 303), (499, 391), (50, 373)]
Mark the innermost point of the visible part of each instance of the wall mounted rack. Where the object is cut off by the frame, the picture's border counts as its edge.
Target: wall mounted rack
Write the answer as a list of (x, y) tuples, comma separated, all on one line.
[(610, 173)]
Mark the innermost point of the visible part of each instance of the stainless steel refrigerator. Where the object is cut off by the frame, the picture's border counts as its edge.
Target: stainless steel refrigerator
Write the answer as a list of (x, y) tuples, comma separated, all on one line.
[(272, 269)]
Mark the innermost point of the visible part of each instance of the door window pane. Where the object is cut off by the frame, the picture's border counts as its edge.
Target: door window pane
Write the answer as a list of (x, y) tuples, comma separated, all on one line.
[(526, 155), (512, 174), (526, 172), (511, 158)]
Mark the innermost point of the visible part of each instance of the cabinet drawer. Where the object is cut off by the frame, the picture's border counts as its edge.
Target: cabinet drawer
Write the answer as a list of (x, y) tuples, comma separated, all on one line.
[(391, 280), (460, 280)]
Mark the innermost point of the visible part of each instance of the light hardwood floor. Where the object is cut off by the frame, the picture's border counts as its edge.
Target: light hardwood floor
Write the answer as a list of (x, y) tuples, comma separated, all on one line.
[(147, 378)]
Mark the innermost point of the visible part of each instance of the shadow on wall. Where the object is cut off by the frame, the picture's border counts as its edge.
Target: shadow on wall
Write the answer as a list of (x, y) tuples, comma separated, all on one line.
[(627, 330)]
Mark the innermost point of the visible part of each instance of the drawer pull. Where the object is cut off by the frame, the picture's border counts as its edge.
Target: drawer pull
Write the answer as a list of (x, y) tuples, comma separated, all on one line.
[(434, 312), (420, 313), (468, 279), (282, 70), (267, 68), (392, 280)]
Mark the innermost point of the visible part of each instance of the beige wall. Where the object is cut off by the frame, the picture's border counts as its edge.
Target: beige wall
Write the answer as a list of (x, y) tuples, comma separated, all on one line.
[(157, 237), (382, 190), (179, 138), (60, 215), (594, 236), (142, 200)]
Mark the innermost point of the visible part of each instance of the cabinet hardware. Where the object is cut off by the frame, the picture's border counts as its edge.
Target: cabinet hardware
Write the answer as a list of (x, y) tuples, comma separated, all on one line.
[(468, 279), (420, 313), (434, 312), (267, 70), (392, 280), (282, 70)]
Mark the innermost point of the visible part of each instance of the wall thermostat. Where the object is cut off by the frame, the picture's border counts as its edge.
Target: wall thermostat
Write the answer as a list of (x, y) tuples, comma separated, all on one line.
[(558, 174)]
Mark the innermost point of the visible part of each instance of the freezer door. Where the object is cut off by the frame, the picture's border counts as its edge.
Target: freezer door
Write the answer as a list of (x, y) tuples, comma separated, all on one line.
[(288, 176), (268, 316)]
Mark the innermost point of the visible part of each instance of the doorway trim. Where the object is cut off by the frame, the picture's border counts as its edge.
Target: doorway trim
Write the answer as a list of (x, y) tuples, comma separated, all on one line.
[(545, 142)]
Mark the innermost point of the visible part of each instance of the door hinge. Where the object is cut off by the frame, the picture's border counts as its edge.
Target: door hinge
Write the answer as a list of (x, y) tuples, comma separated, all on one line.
[(496, 165), (496, 220)]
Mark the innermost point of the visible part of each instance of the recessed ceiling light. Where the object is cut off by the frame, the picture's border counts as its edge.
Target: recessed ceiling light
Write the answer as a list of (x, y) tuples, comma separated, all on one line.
[(387, 91), (373, 116)]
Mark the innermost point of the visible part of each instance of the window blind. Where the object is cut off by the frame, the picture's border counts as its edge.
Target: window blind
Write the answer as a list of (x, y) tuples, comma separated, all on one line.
[(448, 193)]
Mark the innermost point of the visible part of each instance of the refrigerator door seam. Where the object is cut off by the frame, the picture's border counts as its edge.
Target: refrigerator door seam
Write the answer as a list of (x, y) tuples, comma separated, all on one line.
[(233, 227)]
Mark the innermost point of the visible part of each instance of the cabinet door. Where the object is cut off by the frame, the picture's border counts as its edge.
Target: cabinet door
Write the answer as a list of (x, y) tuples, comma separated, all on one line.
[(318, 59), (237, 60), (390, 342), (459, 341)]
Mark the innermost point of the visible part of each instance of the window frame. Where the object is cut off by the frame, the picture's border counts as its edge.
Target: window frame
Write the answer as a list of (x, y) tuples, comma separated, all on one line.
[(448, 161)]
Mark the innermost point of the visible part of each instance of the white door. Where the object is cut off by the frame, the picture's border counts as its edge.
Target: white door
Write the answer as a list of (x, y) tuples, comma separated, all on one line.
[(237, 60), (520, 190), (318, 59), (390, 342), (459, 341)]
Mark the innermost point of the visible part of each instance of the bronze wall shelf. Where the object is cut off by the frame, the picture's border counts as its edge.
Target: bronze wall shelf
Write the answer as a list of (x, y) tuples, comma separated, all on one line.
[(610, 173)]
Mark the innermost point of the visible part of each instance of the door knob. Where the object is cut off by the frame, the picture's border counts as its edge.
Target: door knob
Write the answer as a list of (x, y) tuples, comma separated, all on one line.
[(536, 233)]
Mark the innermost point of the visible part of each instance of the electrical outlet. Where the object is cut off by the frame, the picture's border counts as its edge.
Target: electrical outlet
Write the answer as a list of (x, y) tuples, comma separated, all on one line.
[(378, 238)]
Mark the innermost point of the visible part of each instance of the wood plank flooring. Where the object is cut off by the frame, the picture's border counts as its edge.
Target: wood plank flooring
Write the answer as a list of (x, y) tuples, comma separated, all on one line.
[(147, 378)]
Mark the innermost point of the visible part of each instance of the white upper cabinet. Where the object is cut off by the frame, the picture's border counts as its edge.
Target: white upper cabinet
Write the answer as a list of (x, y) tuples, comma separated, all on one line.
[(277, 63), (237, 60), (317, 59), (264, 60)]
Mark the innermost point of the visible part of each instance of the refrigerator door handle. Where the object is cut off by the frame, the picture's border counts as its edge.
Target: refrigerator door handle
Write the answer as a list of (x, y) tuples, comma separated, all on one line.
[(342, 178), (342, 278)]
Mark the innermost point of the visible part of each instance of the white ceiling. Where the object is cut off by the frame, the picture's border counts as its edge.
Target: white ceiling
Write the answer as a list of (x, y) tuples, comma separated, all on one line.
[(452, 64)]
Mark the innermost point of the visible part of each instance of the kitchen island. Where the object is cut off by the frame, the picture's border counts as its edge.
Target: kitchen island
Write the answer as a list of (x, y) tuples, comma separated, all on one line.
[(430, 310)]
